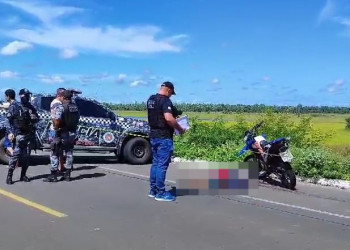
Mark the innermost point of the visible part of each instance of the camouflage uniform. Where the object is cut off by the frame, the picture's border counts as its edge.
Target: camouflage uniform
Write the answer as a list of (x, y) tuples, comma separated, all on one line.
[(56, 113), (61, 146), (21, 139)]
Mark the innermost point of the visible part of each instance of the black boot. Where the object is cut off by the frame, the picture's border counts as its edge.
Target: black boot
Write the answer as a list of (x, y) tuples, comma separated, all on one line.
[(52, 177), (23, 175), (67, 175), (9, 177)]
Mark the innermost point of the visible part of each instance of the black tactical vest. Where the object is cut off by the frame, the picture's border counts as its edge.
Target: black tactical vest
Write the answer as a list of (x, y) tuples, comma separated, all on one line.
[(159, 126), (22, 120), (70, 116)]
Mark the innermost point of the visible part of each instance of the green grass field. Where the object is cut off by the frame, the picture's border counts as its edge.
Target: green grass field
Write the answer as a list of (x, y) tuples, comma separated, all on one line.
[(324, 122)]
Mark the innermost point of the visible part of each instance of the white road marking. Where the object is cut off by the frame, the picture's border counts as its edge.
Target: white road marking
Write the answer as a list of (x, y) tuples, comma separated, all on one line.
[(130, 173), (125, 172), (298, 207), (248, 197)]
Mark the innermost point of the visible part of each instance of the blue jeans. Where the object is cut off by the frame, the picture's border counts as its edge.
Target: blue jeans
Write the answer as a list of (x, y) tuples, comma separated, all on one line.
[(162, 150)]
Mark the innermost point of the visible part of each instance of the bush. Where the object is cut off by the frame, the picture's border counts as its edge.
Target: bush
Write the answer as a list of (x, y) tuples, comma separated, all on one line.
[(347, 123), (211, 141), (222, 141), (302, 133), (343, 150), (319, 162)]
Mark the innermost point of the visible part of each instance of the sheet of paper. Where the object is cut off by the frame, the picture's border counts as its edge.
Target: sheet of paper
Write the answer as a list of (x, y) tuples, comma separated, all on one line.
[(183, 122)]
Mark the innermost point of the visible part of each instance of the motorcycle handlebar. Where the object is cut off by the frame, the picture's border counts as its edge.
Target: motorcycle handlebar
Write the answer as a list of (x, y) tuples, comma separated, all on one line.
[(252, 131), (257, 126), (260, 123)]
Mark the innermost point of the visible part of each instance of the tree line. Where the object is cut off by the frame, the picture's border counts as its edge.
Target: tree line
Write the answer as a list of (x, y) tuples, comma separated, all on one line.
[(237, 108)]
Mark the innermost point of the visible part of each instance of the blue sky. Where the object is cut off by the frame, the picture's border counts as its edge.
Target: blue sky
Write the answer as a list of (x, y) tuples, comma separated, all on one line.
[(226, 51)]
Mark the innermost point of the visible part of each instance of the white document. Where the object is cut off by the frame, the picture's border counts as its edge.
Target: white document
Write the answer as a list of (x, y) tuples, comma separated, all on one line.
[(183, 122)]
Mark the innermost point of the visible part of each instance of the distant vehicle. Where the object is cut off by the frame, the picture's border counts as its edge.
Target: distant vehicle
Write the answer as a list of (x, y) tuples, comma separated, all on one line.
[(99, 130), (277, 156)]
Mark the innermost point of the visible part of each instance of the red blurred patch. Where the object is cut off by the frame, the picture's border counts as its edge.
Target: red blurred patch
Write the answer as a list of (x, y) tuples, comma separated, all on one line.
[(223, 174)]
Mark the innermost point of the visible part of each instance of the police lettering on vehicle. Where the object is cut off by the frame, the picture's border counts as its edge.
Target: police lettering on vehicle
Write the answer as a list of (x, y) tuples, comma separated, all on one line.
[(92, 132), (88, 131)]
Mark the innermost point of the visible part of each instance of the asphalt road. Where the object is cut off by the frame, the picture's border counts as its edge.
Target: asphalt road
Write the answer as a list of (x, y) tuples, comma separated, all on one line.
[(106, 207)]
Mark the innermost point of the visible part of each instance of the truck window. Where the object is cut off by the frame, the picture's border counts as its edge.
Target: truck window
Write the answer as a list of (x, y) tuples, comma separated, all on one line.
[(44, 102), (88, 108)]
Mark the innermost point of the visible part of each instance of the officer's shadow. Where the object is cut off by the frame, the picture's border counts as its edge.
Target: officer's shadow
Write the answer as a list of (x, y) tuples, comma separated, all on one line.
[(37, 160), (74, 177), (85, 176)]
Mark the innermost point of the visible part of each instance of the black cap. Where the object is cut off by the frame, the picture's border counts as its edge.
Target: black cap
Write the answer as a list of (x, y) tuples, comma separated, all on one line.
[(67, 94), (75, 91), (169, 85), (24, 92)]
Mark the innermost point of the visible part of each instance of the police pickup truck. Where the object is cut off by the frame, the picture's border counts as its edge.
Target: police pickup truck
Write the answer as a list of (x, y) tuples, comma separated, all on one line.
[(99, 130)]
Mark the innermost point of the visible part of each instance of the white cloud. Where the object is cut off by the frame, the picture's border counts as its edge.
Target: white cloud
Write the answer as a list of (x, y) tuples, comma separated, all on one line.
[(45, 12), (14, 47), (153, 78), (50, 79), (331, 89), (336, 86), (215, 81), (90, 78), (327, 11), (11, 20), (138, 83), (266, 78), (8, 74), (335, 11), (68, 53), (121, 78), (108, 39), (343, 20), (339, 82)]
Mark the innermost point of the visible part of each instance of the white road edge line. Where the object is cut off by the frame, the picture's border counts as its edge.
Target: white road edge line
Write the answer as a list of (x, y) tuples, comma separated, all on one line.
[(248, 197), (298, 207), (125, 172)]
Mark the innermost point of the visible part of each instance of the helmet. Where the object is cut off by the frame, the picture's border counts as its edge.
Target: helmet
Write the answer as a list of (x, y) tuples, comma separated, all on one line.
[(24, 92)]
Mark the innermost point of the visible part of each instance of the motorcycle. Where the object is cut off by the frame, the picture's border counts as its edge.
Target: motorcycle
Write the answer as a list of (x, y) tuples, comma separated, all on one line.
[(273, 157)]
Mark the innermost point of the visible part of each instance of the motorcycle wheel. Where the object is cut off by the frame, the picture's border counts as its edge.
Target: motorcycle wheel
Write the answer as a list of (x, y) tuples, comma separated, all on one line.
[(261, 174), (288, 179), (252, 158)]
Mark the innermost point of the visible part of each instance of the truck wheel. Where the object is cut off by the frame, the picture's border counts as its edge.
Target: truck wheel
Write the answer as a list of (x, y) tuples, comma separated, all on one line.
[(137, 151), (4, 157)]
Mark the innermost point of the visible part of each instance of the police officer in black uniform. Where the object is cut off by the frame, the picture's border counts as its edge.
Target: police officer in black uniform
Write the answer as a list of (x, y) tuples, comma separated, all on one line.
[(162, 122), (25, 96), (176, 112), (19, 133)]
